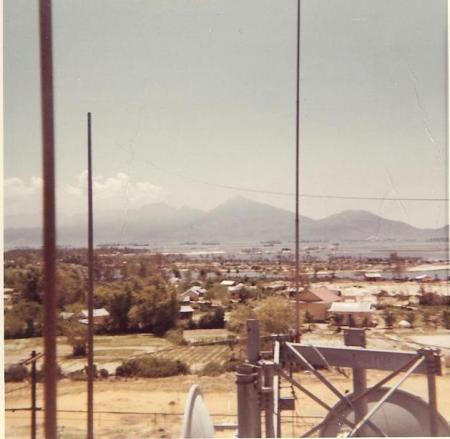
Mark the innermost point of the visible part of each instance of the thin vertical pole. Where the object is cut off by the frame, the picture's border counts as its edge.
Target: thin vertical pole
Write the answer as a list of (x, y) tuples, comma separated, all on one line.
[(49, 217), (297, 178), (90, 295), (447, 109), (33, 395)]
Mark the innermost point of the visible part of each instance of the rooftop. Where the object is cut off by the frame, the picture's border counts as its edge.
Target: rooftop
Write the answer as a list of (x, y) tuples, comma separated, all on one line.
[(351, 307)]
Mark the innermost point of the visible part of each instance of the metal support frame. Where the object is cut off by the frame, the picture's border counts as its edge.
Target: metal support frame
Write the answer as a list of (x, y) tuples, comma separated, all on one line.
[(355, 399), (424, 361), (350, 356), (315, 372), (366, 418), (259, 382), (324, 405)]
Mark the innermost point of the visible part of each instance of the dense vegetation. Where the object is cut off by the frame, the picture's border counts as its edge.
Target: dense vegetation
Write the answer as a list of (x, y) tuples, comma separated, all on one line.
[(152, 367), (138, 299)]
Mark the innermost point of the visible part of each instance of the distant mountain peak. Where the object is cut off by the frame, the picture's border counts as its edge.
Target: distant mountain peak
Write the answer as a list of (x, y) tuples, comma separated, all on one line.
[(244, 202), (354, 213), (238, 199), (238, 219)]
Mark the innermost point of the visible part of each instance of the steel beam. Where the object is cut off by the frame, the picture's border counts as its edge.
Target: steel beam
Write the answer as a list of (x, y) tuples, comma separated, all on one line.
[(357, 357), (421, 360)]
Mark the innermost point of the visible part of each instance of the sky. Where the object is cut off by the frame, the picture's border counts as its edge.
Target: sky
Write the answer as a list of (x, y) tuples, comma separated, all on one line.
[(187, 96)]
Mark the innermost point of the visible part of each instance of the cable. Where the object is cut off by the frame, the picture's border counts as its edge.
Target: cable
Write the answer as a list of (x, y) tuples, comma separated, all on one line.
[(16, 389), (292, 194), (224, 415)]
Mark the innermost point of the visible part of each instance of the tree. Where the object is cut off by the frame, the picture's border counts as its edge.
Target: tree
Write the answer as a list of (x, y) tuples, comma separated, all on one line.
[(238, 317), (389, 318), (70, 285), (244, 295), (143, 271), (32, 286), (24, 320), (76, 335), (119, 305), (166, 315), (316, 269), (13, 326), (398, 265), (446, 318), (219, 318), (428, 318), (276, 315), (213, 320), (156, 310)]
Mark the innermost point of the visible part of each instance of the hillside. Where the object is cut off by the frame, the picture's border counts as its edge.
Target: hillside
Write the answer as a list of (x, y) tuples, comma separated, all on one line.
[(238, 219)]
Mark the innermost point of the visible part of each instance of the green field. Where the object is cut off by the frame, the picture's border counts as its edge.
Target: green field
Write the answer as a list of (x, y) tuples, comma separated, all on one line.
[(111, 350)]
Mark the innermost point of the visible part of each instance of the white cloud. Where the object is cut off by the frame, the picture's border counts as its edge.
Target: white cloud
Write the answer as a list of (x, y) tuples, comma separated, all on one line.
[(119, 191), (23, 200), (15, 187)]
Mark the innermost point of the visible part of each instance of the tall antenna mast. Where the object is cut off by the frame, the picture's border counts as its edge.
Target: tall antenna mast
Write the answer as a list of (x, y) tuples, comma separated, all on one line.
[(49, 217), (90, 294), (297, 194)]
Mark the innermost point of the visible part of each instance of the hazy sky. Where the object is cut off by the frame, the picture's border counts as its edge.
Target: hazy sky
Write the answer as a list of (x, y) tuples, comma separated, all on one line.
[(205, 89)]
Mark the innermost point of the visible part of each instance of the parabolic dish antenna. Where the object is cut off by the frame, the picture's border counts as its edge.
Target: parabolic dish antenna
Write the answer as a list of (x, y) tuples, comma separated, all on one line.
[(401, 415), (196, 420)]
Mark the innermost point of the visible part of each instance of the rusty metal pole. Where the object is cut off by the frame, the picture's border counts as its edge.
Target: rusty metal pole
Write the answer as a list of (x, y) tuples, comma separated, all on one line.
[(357, 337), (297, 180), (90, 295), (49, 217), (33, 395)]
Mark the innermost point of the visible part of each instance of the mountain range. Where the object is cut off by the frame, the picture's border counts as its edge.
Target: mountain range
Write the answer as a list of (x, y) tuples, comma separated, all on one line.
[(238, 219)]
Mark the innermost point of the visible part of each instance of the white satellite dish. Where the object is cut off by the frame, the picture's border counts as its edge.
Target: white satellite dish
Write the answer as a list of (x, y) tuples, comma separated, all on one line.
[(196, 420), (402, 415)]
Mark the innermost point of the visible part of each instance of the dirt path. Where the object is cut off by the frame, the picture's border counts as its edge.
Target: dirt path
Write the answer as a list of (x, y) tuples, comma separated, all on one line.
[(168, 395)]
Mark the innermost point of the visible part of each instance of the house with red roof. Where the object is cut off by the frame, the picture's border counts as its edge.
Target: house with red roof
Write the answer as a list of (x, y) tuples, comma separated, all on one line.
[(317, 301)]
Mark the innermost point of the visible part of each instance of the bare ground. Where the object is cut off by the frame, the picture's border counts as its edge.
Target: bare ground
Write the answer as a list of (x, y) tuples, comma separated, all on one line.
[(167, 395)]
